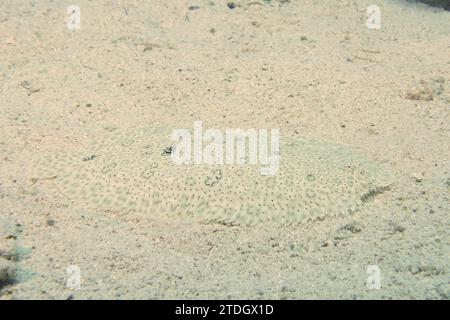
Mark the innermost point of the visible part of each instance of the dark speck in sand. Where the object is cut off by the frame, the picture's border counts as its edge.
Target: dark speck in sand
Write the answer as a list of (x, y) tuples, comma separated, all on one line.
[(50, 222), (167, 151), (92, 157)]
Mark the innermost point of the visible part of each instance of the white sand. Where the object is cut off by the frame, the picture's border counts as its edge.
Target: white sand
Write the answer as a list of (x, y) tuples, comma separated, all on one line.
[(311, 69)]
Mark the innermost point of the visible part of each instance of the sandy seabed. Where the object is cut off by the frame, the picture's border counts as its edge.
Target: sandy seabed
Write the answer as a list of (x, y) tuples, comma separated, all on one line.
[(309, 68)]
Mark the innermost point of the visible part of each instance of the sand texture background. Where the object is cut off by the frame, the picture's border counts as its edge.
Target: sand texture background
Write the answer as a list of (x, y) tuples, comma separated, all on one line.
[(309, 68)]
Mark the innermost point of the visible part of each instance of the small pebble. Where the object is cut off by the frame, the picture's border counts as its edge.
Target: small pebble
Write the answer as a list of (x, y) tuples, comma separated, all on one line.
[(417, 176), (51, 222), (328, 243)]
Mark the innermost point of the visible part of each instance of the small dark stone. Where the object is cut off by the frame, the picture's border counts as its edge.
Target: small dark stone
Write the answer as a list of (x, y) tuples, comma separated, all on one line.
[(353, 227), (328, 243), (194, 8), (167, 151), (51, 222), (398, 228), (26, 84), (218, 174), (231, 5), (92, 157)]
